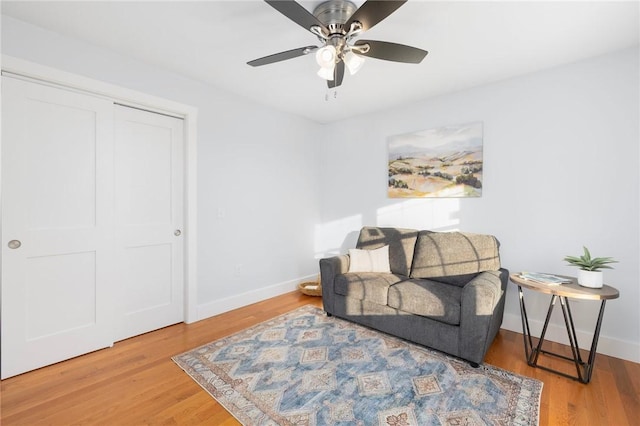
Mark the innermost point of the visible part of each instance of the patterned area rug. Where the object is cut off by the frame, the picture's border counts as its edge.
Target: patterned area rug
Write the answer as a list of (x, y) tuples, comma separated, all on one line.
[(304, 368)]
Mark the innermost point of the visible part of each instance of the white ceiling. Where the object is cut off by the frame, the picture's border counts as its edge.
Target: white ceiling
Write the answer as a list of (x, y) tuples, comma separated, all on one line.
[(469, 44)]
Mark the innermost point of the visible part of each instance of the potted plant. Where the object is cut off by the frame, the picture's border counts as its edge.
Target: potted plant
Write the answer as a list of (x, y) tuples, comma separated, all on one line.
[(590, 274)]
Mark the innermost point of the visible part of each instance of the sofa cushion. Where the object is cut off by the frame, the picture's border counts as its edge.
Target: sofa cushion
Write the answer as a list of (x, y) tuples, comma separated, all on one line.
[(430, 299), (376, 260), (401, 243), (371, 286), (459, 280), (442, 254)]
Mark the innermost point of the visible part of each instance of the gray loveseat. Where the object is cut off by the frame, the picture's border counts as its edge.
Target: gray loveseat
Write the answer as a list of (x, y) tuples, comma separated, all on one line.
[(443, 290)]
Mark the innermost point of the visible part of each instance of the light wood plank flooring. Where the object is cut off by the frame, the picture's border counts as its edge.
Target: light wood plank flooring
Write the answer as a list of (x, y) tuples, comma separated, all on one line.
[(136, 382)]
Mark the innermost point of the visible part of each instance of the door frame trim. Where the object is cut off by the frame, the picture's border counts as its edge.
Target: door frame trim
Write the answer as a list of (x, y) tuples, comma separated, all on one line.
[(52, 76)]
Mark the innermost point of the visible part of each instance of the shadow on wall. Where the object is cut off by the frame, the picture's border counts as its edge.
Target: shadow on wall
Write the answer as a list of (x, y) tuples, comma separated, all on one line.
[(337, 236)]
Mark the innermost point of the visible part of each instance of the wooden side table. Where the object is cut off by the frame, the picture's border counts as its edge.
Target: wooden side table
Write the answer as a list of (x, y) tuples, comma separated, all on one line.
[(563, 292)]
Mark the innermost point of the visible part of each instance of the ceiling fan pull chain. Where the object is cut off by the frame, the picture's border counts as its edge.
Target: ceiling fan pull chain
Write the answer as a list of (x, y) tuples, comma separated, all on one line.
[(327, 96)]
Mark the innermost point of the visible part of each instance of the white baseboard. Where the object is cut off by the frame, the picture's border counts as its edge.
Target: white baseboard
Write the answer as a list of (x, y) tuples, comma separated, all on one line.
[(216, 307), (558, 333)]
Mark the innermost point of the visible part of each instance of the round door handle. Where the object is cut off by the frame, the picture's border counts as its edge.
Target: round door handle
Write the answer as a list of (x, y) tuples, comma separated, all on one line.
[(177, 232), (14, 244)]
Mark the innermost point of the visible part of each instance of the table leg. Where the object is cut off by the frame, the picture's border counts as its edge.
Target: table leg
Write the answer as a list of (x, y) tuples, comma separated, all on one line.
[(571, 333), (526, 333), (573, 329), (594, 344), (584, 370), (552, 304)]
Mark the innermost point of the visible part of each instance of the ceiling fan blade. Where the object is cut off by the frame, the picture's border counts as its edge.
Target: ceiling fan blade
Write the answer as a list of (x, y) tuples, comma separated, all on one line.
[(392, 51), (374, 11), (338, 75), (282, 56), (294, 11)]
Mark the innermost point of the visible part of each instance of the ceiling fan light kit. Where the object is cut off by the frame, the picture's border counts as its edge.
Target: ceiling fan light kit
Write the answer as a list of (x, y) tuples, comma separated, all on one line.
[(336, 23)]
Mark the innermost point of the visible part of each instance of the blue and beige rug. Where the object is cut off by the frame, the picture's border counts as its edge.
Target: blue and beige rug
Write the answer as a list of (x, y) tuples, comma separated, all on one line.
[(304, 368)]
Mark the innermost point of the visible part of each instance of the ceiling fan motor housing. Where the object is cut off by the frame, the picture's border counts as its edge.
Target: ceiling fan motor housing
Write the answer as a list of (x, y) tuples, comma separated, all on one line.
[(334, 14)]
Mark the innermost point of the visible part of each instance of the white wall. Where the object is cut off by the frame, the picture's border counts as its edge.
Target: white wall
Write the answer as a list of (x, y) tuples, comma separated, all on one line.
[(257, 171), (561, 164)]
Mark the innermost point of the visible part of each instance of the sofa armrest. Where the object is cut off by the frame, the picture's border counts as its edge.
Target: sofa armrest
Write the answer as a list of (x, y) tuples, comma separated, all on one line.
[(330, 268), (481, 294), (481, 311)]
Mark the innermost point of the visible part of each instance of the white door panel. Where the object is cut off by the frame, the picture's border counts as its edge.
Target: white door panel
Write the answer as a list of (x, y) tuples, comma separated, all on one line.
[(57, 200), (57, 147), (150, 269), (50, 283), (149, 209), (144, 165)]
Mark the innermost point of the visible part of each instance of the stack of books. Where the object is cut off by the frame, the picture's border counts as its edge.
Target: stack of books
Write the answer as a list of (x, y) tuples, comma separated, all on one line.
[(544, 278)]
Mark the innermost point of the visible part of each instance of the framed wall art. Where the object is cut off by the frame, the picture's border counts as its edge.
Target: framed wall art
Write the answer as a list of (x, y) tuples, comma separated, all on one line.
[(441, 162)]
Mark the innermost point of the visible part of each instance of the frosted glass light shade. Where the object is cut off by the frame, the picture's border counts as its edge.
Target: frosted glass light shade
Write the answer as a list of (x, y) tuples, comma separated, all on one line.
[(326, 56), (353, 62), (326, 73)]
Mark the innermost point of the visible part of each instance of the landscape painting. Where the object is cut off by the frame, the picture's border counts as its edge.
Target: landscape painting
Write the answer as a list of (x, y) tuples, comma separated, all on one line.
[(442, 162)]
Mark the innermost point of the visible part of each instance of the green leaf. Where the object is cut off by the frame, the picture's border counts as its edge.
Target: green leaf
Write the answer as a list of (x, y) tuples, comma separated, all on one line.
[(588, 263)]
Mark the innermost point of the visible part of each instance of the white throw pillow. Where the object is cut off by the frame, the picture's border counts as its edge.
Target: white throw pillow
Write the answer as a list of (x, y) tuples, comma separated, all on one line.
[(369, 260)]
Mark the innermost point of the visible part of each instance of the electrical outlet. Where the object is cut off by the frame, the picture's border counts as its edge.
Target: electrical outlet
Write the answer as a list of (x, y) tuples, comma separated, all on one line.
[(238, 270)]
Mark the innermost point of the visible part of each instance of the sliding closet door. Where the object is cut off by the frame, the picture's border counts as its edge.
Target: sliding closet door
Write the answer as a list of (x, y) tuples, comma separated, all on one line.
[(57, 225), (149, 215)]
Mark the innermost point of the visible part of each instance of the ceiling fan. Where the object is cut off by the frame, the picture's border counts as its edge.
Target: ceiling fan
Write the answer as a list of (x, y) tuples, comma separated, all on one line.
[(337, 23)]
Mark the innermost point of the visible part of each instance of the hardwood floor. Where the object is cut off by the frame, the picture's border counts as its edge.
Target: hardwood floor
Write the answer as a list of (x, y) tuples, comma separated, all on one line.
[(135, 382)]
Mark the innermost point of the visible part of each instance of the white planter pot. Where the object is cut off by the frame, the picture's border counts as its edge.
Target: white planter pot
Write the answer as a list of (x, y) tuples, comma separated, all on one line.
[(591, 279)]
